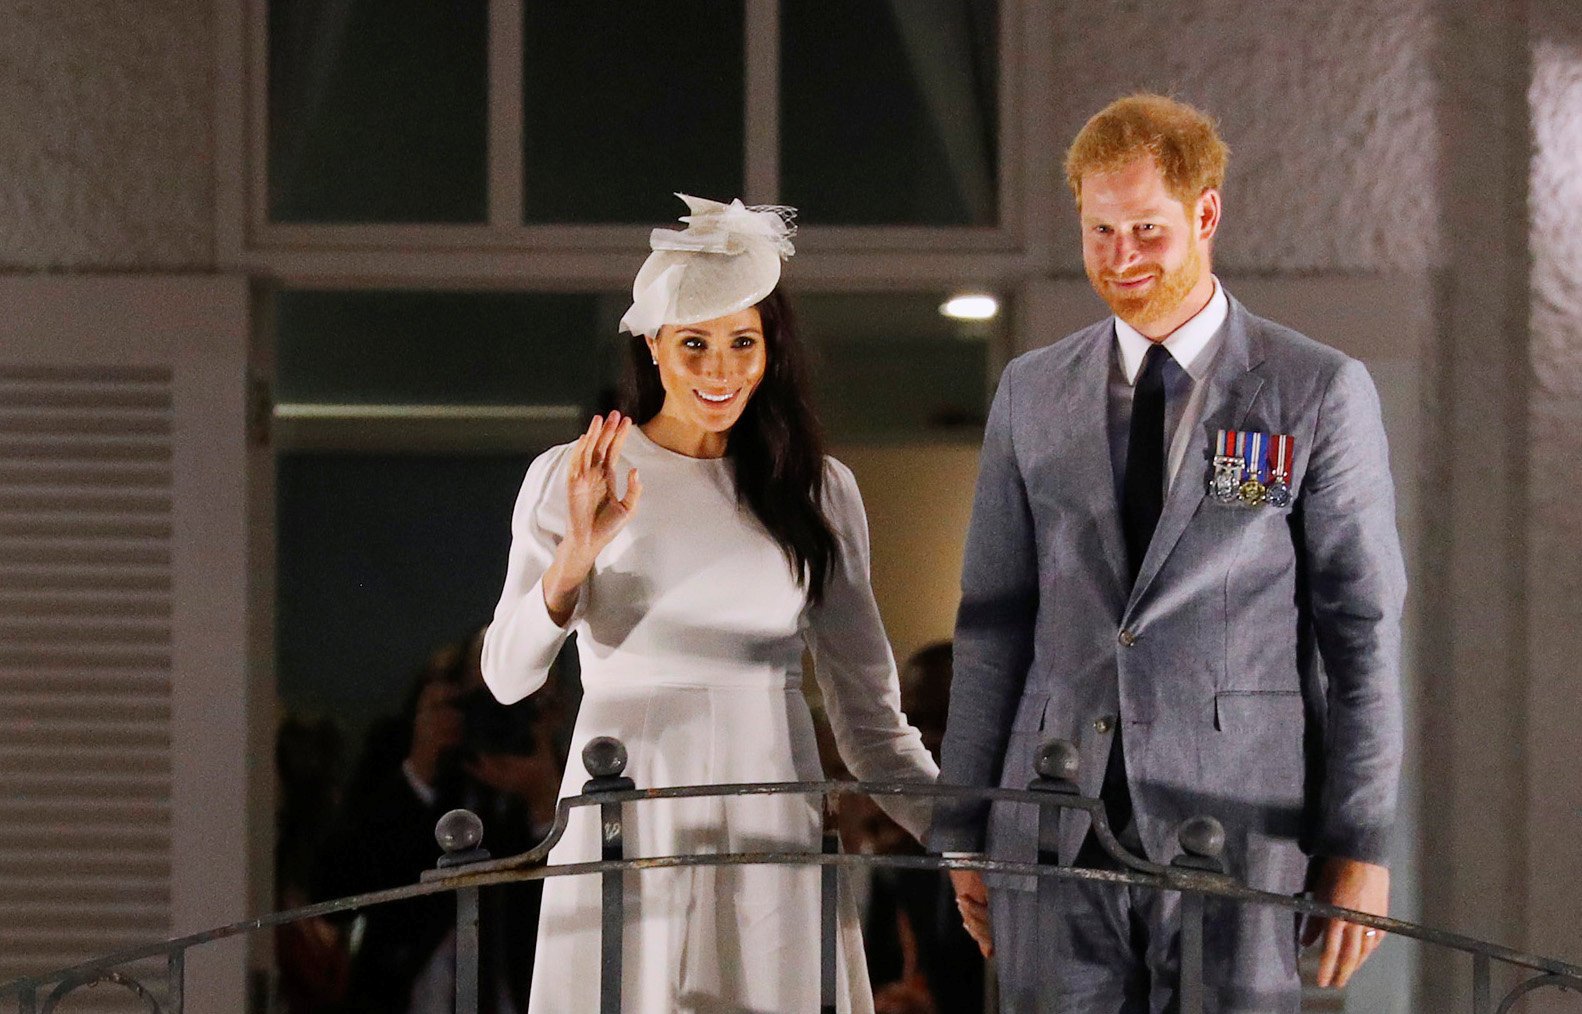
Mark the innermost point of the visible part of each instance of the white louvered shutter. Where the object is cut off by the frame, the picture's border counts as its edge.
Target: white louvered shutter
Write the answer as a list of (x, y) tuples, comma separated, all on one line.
[(110, 423)]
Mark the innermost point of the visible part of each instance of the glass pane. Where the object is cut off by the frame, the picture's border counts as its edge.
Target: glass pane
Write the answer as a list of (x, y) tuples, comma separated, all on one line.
[(381, 559), (378, 110), (457, 348), (625, 103), (892, 367), (888, 111)]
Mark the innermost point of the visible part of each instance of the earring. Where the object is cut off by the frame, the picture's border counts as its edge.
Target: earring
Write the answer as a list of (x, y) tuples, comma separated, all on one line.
[(654, 358)]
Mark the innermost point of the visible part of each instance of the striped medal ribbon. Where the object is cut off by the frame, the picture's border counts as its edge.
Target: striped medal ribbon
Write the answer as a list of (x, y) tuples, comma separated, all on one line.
[(1226, 479), (1255, 467), (1280, 453)]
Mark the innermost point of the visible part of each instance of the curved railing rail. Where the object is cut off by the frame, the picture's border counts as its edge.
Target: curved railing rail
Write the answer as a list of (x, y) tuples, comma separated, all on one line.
[(465, 868)]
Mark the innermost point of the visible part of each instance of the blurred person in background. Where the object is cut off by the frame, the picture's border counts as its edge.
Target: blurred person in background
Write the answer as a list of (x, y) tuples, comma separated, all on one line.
[(310, 953), (921, 959), (451, 745)]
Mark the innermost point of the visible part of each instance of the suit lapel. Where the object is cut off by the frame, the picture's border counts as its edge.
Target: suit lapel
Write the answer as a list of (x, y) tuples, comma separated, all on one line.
[(1089, 449), (1233, 386)]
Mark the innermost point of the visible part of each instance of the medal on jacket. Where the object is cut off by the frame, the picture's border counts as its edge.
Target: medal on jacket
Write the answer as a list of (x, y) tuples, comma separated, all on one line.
[(1255, 468), (1227, 467), (1281, 449)]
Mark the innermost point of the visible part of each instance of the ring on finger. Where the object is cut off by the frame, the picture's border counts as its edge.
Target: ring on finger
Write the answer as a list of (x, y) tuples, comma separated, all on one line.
[(1370, 933)]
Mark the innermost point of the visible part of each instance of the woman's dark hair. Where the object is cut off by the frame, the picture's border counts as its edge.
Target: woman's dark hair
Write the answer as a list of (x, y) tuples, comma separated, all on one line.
[(775, 448)]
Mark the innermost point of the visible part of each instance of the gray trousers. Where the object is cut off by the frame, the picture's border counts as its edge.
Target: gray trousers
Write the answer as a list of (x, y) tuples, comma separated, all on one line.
[(1100, 948)]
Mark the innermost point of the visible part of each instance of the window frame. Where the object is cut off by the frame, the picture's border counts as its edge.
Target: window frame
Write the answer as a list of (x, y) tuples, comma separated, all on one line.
[(507, 244)]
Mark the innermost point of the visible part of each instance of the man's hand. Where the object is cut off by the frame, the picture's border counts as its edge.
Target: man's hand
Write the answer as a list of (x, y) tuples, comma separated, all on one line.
[(972, 900), (1348, 883)]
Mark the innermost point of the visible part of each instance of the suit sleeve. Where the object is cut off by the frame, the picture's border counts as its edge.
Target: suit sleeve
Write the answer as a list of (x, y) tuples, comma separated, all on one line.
[(994, 631), (856, 668), (522, 640), (1356, 587)]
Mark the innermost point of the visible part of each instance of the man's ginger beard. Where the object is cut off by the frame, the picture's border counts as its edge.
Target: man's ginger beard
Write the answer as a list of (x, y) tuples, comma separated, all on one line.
[(1163, 297)]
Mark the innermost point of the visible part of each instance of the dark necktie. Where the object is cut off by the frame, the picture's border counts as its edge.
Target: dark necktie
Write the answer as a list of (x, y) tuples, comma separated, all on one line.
[(1143, 491), (1144, 483)]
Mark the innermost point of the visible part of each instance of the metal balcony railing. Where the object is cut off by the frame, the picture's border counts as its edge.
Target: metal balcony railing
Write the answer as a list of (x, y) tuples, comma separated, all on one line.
[(465, 868)]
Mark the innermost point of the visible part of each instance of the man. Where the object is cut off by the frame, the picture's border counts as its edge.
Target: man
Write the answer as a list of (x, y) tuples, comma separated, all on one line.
[(1182, 559)]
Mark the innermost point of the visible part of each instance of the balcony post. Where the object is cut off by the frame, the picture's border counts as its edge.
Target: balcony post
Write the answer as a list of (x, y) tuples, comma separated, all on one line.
[(605, 759), (1202, 843), (460, 833), (829, 899), (1056, 769), (176, 981)]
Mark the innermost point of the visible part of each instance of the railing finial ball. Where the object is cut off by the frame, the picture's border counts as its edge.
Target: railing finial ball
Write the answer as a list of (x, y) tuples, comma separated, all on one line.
[(604, 757), (1058, 760), (458, 831), (1203, 837)]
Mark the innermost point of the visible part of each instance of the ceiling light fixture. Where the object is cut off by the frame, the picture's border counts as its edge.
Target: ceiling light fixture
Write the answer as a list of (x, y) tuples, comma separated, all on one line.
[(970, 306)]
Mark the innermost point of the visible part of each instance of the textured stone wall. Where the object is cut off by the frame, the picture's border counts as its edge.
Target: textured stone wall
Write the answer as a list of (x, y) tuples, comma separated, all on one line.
[(106, 111), (1328, 109), (1555, 488), (1471, 604)]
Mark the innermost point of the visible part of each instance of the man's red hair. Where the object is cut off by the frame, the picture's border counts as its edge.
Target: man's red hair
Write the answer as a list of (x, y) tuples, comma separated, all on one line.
[(1182, 141)]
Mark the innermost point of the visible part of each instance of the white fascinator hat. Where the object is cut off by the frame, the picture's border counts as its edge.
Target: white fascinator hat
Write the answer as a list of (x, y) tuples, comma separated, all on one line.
[(725, 260)]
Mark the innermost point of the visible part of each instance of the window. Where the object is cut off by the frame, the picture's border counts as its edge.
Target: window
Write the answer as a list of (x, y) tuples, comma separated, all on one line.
[(447, 372), (458, 348), (472, 373), (383, 557), (624, 103), (378, 110), (513, 116), (923, 154)]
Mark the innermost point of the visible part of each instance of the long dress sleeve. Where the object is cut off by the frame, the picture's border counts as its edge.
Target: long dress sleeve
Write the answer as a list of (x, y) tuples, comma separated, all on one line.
[(522, 640), (856, 669)]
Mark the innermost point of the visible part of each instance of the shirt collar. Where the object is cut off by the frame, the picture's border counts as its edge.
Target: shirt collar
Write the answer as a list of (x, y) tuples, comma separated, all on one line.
[(1185, 344)]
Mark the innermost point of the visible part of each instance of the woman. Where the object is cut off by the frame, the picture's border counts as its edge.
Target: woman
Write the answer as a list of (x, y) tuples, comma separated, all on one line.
[(697, 545)]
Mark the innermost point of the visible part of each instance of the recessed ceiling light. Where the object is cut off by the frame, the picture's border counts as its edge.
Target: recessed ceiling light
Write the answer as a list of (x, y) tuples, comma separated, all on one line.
[(970, 306)]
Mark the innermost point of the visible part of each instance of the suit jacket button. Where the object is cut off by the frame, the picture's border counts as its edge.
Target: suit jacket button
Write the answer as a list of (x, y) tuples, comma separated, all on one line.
[(1103, 724), (1128, 638)]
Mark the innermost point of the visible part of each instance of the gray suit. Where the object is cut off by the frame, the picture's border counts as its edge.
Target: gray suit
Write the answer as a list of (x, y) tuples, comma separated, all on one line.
[(1253, 666)]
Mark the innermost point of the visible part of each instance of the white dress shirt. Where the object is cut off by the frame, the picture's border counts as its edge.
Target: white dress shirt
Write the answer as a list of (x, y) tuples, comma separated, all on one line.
[(1192, 346)]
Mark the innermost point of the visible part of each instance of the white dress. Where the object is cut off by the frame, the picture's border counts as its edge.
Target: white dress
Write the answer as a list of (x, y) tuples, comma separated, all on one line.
[(691, 632)]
